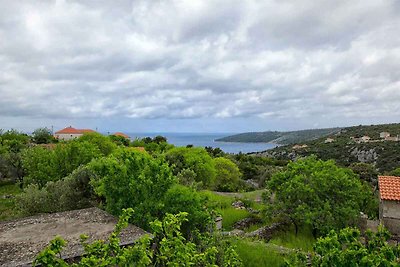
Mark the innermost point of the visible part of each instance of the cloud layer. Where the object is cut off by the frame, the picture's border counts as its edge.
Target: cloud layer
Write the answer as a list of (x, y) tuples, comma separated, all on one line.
[(291, 60)]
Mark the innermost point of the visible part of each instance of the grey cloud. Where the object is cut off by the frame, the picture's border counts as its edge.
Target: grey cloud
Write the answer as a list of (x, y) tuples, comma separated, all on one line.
[(206, 59)]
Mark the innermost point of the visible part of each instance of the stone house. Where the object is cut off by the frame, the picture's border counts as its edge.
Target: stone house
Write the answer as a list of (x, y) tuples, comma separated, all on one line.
[(392, 138), (365, 139), (329, 140), (70, 133), (389, 203), (383, 135)]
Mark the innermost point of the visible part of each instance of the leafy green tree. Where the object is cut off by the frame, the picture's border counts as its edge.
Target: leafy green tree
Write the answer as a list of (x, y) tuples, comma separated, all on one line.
[(132, 179), (195, 159), (395, 172), (119, 140), (183, 199), (159, 139), (367, 172), (42, 136), (228, 175), (317, 193), (39, 165), (103, 143), (42, 165)]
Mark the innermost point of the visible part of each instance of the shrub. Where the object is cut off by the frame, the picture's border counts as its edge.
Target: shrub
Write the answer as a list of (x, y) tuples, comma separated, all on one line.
[(72, 192), (132, 179), (228, 175), (195, 159)]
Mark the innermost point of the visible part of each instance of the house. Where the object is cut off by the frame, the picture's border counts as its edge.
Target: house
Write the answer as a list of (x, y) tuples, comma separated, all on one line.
[(383, 135), (392, 138), (70, 133), (389, 204), (329, 140), (295, 147), (365, 139), (22, 239), (121, 135)]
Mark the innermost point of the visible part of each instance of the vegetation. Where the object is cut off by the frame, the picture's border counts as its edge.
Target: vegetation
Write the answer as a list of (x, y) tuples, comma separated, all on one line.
[(228, 175), (42, 136), (319, 194), (280, 137), (196, 159), (348, 248), (167, 247), (8, 192)]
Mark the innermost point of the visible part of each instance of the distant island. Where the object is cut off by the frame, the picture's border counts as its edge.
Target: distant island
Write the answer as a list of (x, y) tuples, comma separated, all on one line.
[(282, 138)]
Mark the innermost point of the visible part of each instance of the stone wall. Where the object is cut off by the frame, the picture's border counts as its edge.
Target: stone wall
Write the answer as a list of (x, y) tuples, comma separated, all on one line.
[(390, 215)]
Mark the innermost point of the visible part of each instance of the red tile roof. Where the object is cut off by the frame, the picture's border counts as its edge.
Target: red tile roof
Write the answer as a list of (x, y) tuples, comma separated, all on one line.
[(121, 134), (71, 130), (389, 187)]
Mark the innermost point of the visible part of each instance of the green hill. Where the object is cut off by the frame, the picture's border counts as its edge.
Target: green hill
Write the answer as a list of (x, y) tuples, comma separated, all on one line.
[(280, 137), (346, 147)]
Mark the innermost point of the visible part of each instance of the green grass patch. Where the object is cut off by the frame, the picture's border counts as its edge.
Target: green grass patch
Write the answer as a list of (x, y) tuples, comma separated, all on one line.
[(304, 239), (7, 201), (232, 215), (256, 253), (218, 201)]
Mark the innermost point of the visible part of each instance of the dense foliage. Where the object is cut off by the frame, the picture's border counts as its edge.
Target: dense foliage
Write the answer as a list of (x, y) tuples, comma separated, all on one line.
[(348, 248), (42, 136), (228, 175), (196, 159), (167, 247), (318, 193)]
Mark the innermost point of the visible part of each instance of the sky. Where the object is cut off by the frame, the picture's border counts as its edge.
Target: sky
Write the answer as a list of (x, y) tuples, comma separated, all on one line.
[(199, 66)]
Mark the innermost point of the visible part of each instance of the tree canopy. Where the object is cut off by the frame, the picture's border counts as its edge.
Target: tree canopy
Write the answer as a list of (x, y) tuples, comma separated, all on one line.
[(317, 193)]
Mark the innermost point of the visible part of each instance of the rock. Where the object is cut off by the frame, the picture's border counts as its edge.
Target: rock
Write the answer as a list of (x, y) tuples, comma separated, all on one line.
[(238, 205), (246, 222), (266, 232)]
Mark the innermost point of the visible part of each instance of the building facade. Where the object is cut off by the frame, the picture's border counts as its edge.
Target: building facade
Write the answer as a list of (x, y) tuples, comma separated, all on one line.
[(389, 204), (70, 133)]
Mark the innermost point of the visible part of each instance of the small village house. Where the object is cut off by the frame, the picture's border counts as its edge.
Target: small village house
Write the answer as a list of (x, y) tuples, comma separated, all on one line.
[(383, 135), (389, 204), (392, 138), (295, 147), (365, 139), (329, 140), (70, 133)]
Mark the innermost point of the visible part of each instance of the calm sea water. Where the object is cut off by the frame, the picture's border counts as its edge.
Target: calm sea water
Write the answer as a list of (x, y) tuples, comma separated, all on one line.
[(203, 140)]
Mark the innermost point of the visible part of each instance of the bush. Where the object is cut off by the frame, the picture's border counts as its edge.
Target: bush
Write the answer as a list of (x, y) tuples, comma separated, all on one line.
[(228, 175), (42, 165), (195, 159), (72, 192), (183, 199), (132, 179)]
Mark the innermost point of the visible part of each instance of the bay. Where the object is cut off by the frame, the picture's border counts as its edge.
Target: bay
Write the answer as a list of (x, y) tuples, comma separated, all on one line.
[(207, 139)]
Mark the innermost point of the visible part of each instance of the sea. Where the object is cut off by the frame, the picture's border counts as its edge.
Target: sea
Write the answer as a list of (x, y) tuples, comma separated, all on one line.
[(208, 139)]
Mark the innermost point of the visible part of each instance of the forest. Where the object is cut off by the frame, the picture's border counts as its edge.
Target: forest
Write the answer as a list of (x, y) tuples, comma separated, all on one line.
[(275, 211)]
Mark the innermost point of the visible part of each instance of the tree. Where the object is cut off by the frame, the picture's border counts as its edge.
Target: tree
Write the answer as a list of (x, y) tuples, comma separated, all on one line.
[(367, 172), (395, 172), (42, 165), (183, 199), (42, 136), (103, 143), (228, 175), (317, 193), (132, 179), (195, 159)]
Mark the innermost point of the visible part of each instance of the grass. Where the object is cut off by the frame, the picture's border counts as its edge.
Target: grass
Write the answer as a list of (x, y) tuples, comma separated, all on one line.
[(232, 215), (304, 239), (256, 253), (7, 205)]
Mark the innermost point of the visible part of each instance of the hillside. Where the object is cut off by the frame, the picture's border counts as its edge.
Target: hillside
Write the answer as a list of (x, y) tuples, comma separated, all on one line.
[(280, 137), (346, 147)]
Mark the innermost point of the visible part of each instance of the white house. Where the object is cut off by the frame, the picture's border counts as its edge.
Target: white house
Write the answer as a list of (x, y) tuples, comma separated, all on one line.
[(384, 135), (70, 133)]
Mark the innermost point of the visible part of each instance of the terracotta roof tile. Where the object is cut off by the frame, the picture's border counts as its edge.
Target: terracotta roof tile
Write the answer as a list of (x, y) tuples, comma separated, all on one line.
[(121, 134), (389, 187), (71, 130)]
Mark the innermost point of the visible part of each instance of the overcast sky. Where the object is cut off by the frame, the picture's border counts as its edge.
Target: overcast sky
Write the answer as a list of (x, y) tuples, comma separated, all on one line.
[(199, 66)]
